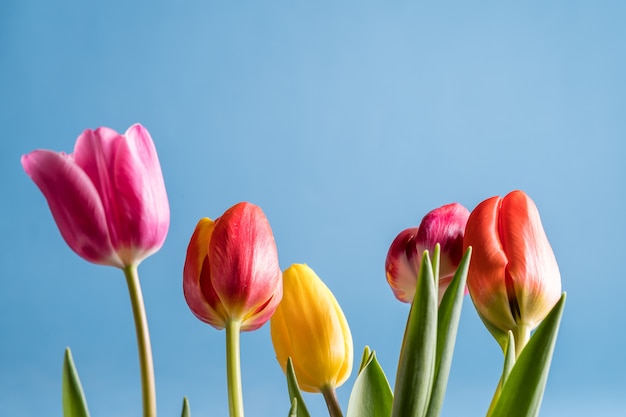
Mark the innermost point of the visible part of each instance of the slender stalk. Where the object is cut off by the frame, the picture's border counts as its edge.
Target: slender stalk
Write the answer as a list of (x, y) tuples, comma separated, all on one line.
[(233, 369), (330, 396), (146, 367), (522, 336)]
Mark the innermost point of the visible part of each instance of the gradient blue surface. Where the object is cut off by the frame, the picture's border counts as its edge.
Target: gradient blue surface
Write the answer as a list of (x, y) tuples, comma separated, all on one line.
[(346, 123)]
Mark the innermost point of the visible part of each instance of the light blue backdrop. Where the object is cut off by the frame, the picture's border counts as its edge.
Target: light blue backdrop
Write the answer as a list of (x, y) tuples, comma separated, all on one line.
[(346, 122)]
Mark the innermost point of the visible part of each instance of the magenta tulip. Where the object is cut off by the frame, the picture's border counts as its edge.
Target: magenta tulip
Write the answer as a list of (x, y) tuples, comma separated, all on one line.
[(445, 226), (108, 197), (231, 271)]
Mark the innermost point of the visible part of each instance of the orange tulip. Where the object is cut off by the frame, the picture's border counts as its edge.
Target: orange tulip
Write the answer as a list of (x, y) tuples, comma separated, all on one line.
[(513, 278)]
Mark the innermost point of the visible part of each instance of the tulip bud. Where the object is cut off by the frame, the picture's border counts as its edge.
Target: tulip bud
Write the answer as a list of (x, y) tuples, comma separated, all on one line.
[(107, 197), (231, 271), (310, 328), (444, 225), (513, 278)]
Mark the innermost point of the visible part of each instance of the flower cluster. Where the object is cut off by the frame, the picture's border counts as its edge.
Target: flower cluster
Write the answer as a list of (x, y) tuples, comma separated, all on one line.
[(109, 201)]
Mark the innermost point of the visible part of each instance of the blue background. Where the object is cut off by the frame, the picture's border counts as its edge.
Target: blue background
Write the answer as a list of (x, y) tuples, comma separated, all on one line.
[(346, 122)]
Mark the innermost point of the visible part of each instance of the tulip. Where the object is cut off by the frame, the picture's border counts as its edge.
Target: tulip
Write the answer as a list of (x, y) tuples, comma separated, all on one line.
[(232, 271), (107, 197), (444, 226), (232, 280), (513, 278), (109, 202), (310, 328)]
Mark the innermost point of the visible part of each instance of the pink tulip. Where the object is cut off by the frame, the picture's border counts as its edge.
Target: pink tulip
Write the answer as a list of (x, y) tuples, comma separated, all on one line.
[(107, 197), (444, 225), (231, 271)]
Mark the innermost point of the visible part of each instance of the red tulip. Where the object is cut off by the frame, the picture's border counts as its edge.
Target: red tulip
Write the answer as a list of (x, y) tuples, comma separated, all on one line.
[(107, 197), (513, 278), (444, 225), (231, 271)]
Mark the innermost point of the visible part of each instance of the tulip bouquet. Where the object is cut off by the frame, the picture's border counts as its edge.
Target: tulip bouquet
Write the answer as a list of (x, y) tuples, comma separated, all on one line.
[(109, 201)]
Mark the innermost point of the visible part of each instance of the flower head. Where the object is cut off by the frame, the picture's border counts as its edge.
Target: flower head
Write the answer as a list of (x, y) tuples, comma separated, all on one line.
[(444, 225), (513, 277), (231, 271), (107, 197), (310, 328)]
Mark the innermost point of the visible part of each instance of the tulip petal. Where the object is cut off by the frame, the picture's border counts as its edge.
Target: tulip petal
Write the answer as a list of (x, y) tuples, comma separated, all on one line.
[(195, 267), (310, 327), (244, 257), (126, 173), (445, 226), (74, 203), (402, 265), (142, 207), (485, 282), (532, 273)]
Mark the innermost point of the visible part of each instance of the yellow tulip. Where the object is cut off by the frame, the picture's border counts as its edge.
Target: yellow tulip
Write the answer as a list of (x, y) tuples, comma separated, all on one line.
[(310, 327)]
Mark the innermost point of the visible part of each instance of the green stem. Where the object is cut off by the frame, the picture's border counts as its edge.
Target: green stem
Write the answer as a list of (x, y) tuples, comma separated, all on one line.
[(233, 368), (522, 336), (330, 396), (146, 367)]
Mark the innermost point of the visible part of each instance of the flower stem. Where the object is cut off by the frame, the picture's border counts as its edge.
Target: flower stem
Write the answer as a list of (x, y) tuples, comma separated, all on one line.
[(233, 368), (146, 367), (522, 336), (330, 396)]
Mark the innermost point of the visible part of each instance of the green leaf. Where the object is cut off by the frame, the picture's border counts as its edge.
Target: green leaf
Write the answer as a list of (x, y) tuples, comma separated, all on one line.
[(371, 394), (509, 358), (523, 390), (435, 263), (417, 356), (74, 403), (509, 362), (367, 353), (293, 411), (294, 391), (447, 326), (186, 412)]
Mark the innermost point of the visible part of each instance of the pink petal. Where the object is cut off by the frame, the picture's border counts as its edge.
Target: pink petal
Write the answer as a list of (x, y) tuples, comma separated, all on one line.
[(444, 225), (126, 173), (402, 265), (74, 203), (142, 214)]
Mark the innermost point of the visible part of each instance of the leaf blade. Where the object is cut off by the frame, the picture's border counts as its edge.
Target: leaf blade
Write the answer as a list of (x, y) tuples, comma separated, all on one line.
[(294, 391), (74, 402), (447, 325), (523, 389), (417, 355), (371, 394)]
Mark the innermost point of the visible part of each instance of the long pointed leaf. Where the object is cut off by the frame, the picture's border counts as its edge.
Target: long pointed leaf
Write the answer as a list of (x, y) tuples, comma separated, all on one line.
[(371, 394), (293, 411), (523, 390), (417, 356), (294, 390), (367, 353), (509, 362), (447, 326), (186, 412), (509, 358), (74, 402)]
